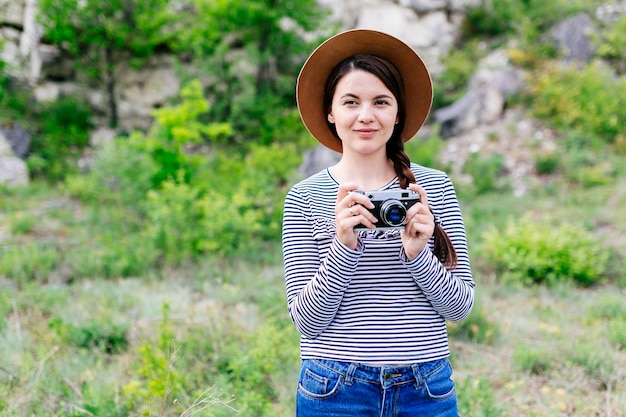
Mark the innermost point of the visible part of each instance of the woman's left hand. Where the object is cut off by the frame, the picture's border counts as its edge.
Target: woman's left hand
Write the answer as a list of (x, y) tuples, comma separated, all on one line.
[(420, 225)]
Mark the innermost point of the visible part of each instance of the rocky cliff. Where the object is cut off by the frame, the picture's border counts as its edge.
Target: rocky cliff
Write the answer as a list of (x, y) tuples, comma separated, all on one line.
[(430, 26)]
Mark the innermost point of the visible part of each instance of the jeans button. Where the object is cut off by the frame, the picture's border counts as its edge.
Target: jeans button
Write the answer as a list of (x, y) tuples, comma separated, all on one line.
[(387, 377)]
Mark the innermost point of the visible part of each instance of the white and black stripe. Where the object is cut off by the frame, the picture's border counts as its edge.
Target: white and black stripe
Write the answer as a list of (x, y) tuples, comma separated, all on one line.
[(371, 305)]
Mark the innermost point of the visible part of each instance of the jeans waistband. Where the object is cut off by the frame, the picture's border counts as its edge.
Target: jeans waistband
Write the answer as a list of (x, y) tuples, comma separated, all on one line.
[(384, 375)]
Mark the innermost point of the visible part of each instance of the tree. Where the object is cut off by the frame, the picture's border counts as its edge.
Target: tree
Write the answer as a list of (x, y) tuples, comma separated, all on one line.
[(253, 50), (100, 34)]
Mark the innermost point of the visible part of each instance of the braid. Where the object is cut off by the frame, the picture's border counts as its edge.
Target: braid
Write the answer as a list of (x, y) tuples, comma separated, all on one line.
[(443, 248)]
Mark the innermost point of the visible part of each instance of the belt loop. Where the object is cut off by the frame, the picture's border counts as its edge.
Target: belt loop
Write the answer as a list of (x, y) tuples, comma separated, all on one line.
[(416, 373), (350, 374)]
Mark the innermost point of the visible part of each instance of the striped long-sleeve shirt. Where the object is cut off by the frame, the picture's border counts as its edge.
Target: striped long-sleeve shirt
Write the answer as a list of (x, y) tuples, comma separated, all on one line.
[(371, 305)]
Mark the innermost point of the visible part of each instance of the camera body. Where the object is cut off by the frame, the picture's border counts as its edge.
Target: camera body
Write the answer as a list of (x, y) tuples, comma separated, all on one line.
[(390, 207)]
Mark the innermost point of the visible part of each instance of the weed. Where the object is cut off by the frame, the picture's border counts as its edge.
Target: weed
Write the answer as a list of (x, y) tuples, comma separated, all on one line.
[(476, 398), (529, 251), (533, 360)]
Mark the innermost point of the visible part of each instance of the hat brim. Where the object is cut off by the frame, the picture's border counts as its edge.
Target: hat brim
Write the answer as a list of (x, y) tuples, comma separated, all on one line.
[(312, 79)]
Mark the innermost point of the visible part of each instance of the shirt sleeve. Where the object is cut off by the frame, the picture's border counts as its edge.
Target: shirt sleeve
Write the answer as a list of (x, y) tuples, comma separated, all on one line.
[(451, 293), (315, 285)]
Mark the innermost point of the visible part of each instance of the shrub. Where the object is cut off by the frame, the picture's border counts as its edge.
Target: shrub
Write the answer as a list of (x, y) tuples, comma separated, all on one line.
[(122, 173), (173, 228), (501, 17), (155, 381), (101, 334), (617, 333), (486, 172), (608, 307), (597, 362), (529, 252), (259, 368), (65, 126), (546, 163), (477, 399), (533, 360), (587, 100), (29, 262), (612, 43)]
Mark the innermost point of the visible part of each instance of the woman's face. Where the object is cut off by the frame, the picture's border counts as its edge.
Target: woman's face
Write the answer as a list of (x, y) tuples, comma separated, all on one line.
[(364, 112)]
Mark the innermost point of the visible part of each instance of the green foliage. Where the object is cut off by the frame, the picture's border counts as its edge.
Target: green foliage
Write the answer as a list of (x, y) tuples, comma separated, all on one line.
[(64, 134), (177, 127), (260, 366), (182, 205), (111, 253), (486, 172), (253, 51), (530, 251), (122, 174), (101, 34), (588, 101), (546, 163), (584, 159), (476, 398), (425, 151), (458, 66), (612, 45), (101, 334), (608, 308), (526, 17), (180, 125), (173, 214), (535, 361), (34, 261), (598, 363), (617, 333), (477, 327), (155, 381)]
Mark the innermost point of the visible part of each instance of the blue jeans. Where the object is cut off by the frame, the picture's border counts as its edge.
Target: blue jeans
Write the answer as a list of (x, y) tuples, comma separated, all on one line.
[(329, 388)]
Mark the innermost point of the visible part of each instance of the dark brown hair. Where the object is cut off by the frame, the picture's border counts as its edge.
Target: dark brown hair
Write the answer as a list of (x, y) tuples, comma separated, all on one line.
[(389, 75)]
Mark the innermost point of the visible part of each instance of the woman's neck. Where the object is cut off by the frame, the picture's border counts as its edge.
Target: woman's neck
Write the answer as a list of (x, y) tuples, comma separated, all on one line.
[(368, 173)]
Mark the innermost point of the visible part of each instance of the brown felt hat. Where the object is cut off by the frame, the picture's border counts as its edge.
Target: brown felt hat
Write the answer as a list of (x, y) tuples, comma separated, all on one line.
[(312, 79)]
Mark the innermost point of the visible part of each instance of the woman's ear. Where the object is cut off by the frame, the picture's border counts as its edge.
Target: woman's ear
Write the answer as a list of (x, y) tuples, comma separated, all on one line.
[(331, 119)]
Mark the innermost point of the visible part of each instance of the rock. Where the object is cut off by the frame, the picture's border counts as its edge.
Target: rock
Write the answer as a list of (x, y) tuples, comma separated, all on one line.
[(573, 37), (18, 139), (12, 12), (493, 82), (5, 147), (496, 71), (611, 12), (318, 159), (477, 107), (13, 170)]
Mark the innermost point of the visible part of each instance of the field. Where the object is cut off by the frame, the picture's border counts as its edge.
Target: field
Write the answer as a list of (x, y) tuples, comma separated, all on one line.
[(204, 339)]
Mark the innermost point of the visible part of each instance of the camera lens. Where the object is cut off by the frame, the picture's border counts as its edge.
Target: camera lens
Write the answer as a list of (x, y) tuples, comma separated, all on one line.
[(393, 212)]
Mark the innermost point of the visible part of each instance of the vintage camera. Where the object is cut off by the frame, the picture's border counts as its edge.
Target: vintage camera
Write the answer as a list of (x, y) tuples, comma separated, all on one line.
[(390, 207)]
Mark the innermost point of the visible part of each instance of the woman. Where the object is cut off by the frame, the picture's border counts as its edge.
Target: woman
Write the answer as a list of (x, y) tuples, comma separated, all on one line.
[(371, 303)]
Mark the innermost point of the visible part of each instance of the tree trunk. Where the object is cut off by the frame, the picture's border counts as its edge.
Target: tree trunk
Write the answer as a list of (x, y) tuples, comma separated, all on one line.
[(110, 86)]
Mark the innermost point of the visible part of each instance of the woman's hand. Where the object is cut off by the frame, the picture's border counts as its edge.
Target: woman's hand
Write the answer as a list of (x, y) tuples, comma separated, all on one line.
[(350, 210), (420, 225)]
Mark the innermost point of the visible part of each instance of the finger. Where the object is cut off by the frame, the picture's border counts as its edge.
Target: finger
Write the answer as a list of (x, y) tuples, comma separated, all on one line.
[(345, 191), (422, 193)]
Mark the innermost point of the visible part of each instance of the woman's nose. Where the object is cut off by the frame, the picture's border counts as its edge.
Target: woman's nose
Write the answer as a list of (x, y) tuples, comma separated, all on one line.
[(366, 114)]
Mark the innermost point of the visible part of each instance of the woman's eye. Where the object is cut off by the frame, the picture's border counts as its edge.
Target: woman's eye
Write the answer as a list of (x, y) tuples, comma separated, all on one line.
[(381, 102)]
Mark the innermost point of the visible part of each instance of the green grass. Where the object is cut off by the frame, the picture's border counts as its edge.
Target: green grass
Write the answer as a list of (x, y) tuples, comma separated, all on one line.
[(98, 346)]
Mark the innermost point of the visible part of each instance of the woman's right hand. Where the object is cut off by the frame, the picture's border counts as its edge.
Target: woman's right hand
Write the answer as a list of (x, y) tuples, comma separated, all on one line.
[(351, 210)]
